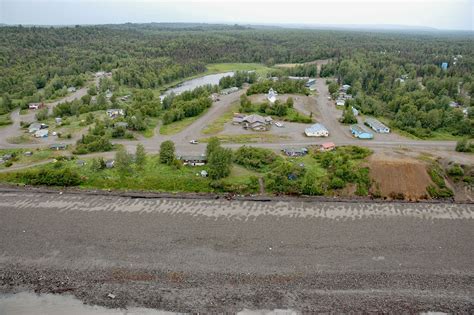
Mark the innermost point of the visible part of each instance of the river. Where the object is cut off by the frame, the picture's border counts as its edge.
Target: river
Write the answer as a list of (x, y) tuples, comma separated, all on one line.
[(190, 85)]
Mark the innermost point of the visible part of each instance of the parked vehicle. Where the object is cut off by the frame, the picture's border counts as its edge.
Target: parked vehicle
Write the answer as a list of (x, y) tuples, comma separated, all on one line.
[(279, 124), (193, 142)]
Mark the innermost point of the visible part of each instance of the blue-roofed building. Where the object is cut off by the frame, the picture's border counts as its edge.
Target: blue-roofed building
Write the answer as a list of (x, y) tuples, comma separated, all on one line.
[(444, 66), (316, 130), (360, 132)]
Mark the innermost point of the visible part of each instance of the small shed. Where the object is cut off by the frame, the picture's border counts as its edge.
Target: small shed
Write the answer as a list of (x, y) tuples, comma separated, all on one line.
[(340, 102), (109, 163), (204, 173), (328, 146), (193, 160), (295, 151), (58, 146)]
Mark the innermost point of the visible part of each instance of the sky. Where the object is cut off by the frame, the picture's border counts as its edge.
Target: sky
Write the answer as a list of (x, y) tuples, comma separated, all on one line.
[(439, 14)]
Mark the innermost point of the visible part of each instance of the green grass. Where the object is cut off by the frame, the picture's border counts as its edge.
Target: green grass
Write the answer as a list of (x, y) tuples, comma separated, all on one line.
[(227, 67), (248, 138), (149, 132), (443, 135), (22, 139), (177, 126), (38, 155), (5, 120), (218, 124)]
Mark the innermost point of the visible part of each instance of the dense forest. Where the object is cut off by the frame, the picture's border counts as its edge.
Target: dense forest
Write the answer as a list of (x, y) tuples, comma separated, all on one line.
[(40, 63)]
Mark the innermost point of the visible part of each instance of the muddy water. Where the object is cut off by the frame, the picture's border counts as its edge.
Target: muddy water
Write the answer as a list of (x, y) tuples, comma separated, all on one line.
[(189, 85), (26, 303)]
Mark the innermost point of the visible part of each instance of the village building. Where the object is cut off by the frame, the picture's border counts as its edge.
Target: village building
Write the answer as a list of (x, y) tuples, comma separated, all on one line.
[(109, 163), (316, 130), (310, 82), (7, 157), (34, 127), (360, 132), (42, 133), (345, 88), (271, 96), (71, 89), (295, 152), (340, 102), (58, 120), (454, 104), (121, 124), (108, 94), (376, 125), (257, 122), (35, 106), (327, 146), (229, 90), (355, 111), (115, 112), (193, 160), (58, 146)]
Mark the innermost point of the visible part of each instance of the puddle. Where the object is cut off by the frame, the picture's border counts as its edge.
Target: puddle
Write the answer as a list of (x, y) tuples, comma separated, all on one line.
[(26, 303)]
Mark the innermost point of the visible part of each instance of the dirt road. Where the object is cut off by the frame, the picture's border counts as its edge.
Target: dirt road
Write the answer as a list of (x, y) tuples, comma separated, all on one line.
[(218, 255)]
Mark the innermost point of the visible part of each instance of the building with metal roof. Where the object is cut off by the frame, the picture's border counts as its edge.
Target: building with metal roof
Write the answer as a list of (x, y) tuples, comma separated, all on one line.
[(360, 132), (376, 125), (316, 130)]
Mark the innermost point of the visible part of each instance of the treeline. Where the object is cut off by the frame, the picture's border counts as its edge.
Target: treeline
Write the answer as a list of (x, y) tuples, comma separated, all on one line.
[(418, 98), (238, 79), (187, 104), (38, 63), (282, 86)]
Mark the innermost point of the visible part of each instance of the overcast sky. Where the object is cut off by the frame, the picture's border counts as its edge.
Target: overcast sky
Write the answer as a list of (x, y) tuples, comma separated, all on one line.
[(441, 14)]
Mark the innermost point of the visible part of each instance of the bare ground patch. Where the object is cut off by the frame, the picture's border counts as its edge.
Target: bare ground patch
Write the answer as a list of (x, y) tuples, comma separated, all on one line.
[(399, 178)]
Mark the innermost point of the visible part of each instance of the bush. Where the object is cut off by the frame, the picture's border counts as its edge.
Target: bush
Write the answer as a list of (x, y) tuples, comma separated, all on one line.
[(456, 171), (254, 158), (337, 183), (167, 152), (51, 177)]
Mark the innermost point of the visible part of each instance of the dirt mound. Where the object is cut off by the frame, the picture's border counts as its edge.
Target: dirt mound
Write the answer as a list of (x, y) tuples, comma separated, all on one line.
[(399, 178)]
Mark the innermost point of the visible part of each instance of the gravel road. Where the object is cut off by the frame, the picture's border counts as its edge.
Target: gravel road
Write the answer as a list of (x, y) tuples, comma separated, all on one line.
[(205, 255)]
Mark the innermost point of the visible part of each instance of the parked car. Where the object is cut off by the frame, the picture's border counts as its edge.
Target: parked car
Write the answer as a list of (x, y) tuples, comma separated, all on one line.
[(193, 142), (279, 124)]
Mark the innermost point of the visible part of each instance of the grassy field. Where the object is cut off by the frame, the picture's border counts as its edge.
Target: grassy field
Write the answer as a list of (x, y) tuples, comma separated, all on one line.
[(248, 138), (218, 124), (22, 139), (20, 158), (5, 120), (226, 67), (177, 126)]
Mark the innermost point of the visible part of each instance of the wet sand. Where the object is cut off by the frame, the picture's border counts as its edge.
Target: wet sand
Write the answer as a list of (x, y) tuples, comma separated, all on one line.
[(187, 255)]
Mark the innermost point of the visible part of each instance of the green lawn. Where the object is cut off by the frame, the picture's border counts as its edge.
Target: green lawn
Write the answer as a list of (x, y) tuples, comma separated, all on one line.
[(226, 67), (38, 155), (218, 125), (5, 120), (180, 125), (22, 139)]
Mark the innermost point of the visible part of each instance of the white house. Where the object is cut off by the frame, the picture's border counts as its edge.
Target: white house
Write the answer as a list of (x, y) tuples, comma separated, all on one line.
[(340, 102), (42, 133), (271, 96), (316, 130), (114, 112)]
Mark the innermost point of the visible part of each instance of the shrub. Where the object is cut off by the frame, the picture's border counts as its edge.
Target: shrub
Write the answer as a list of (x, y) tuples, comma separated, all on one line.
[(167, 152), (456, 171), (50, 177), (254, 158)]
